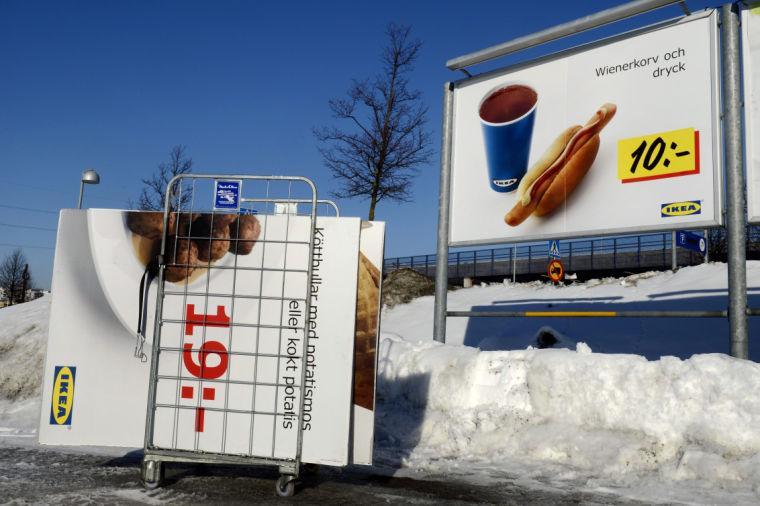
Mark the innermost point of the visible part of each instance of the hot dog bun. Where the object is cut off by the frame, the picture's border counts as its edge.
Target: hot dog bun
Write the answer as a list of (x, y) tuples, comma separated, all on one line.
[(555, 150), (568, 178), (561, 169), (521, 212)]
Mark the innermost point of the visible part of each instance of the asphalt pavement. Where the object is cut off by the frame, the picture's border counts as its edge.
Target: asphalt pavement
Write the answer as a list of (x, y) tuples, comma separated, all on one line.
[(33, 475)]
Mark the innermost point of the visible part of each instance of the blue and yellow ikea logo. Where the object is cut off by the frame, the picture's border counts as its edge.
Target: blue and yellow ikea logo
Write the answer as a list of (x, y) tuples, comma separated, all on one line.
[(62, 403), (684, 208)]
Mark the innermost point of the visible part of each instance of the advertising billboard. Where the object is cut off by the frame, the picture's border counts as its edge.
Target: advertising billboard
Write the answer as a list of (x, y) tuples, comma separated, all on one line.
[(95, 391), (622, 135), (751, 73)]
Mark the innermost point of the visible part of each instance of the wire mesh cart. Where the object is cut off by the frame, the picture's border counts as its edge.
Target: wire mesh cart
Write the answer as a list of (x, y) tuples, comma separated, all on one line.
[(232, 316)]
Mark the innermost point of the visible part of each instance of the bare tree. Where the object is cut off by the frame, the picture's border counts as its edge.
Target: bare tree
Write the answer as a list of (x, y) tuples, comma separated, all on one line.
[(717, 244), (377, 156), (15, 277), (154, 188)]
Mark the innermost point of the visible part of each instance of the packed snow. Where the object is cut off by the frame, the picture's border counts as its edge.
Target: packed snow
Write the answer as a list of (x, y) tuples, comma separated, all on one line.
[(651, 409), (23, 334)]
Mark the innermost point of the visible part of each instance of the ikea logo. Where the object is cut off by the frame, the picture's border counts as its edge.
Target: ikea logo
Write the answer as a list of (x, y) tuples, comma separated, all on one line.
[(62, 403), (684, 208)]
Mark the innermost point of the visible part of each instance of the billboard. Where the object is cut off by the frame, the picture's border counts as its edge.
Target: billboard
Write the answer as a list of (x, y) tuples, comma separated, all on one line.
[(207, 367), (618, 136), (751, 73)]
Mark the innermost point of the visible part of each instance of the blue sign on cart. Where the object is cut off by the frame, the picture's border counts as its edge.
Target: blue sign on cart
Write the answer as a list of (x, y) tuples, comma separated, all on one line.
[(692, 241), (226, 195)]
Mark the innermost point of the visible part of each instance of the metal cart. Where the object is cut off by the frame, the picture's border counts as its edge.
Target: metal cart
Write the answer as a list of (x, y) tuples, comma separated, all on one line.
[(212, 396)]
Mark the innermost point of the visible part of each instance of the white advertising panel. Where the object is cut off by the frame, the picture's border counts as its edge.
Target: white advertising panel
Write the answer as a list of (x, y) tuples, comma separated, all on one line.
[(96, 392), (622, 136), (751, 72), (368, 303)]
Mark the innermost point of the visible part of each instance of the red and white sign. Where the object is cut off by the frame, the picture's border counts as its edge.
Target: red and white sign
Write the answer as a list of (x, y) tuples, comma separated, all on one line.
[(556, 270), (208, 368)]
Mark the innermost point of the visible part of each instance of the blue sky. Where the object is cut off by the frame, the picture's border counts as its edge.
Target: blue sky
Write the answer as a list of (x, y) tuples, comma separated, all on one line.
[(114, 85)]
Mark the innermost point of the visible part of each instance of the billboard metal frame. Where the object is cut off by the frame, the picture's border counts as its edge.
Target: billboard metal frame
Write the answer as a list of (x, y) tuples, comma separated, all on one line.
[(729, 145)]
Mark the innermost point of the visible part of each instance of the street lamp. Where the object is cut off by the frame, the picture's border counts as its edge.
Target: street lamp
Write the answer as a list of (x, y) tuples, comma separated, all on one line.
[(88, 177)]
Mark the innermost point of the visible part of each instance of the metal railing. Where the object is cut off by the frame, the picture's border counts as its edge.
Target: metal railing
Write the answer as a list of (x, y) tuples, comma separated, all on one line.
[(650, 251)]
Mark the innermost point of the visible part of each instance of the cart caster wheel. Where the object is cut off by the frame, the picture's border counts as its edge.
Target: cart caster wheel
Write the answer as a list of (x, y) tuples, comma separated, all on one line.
[(152, 474), (286, 486)]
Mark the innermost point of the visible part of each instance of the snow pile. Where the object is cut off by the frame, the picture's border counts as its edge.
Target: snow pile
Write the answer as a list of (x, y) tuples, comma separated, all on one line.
[(671, 428), (23, 334), (612, 415)]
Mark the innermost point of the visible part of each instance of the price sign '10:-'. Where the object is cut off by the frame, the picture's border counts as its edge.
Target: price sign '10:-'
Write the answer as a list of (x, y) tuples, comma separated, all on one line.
[(656, 156)]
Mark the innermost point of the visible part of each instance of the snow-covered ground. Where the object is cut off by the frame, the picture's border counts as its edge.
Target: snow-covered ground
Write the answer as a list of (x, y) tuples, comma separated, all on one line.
[(23, 334), (488, 406)]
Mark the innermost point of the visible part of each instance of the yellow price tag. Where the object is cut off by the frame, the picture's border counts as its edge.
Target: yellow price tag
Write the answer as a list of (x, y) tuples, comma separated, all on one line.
[(655, 156)]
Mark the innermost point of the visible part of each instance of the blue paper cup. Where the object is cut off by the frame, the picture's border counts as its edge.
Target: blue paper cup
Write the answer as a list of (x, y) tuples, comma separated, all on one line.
[(507, 115)]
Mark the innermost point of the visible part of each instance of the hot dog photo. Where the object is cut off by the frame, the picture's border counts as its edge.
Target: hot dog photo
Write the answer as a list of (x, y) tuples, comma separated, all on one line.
[(590, 142), (547, 185)]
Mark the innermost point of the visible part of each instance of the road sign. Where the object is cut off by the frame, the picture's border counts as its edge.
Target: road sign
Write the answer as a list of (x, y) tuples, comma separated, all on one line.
[(554, 249), (692, 241), (556, 271)]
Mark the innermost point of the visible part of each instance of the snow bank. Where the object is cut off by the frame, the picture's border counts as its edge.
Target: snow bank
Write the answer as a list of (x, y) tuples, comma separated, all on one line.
[(23, 334), (22, 348), (666, 429), (612, 417)]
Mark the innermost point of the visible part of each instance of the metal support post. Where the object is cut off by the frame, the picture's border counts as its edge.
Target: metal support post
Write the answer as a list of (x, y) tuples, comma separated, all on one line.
[(673, 251), (81, 195), (444, 191), (736, 223), (530, 259), (570, 257), (514, 263)]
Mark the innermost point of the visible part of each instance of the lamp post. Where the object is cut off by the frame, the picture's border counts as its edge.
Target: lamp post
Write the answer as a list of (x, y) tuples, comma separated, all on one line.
[(88, 177)]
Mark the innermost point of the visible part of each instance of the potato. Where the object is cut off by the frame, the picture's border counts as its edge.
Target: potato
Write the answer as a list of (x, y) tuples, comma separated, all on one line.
[(218, 230), (186, 257), (148, 224), (183, 222), (249, 232)]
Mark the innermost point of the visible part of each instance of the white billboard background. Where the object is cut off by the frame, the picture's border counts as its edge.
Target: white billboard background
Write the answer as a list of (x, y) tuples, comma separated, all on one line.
[(751, 72), (570, 92), (93, 322)]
